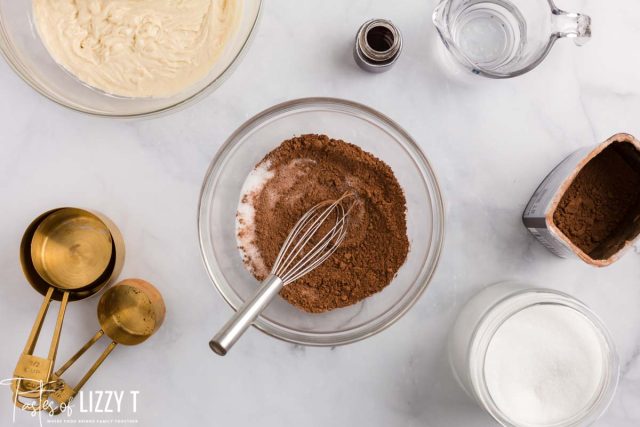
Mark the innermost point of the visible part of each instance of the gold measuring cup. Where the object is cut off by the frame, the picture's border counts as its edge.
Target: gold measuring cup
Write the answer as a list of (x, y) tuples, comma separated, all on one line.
[(67, 254), (129, 313)]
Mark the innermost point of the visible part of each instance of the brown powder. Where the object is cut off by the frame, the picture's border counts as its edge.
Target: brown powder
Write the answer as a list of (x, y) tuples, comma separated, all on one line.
[(599, 207), (313, 168)]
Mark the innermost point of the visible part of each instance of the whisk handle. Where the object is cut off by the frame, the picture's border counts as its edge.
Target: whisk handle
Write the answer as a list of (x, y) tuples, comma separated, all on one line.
[(245, 316)]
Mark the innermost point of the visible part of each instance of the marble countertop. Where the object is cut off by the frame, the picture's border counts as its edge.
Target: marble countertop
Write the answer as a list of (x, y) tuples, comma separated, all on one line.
[(491, 143)]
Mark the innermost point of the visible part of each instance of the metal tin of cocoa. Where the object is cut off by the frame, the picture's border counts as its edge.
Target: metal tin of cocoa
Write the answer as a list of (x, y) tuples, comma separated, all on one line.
[(538, 216)]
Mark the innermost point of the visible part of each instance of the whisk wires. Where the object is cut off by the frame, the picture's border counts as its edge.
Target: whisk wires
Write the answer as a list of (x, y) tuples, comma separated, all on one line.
[(306, 246)]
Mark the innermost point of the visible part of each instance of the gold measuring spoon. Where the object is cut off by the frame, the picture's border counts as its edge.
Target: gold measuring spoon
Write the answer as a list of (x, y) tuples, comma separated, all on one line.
[(66, 254), (129, 313)]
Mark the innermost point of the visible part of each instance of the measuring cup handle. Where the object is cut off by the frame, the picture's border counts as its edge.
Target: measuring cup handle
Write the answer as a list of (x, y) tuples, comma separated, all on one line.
[(29, 407), (64, 393), (245, 316), (37, 325), (30, 367), (53, 349), (573, 25), (93, 368), (96, 365), (79, 353)]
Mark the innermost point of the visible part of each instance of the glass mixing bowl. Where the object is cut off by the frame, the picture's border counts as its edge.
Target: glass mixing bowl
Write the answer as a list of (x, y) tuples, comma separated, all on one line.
[(20, 44), (374, 133)]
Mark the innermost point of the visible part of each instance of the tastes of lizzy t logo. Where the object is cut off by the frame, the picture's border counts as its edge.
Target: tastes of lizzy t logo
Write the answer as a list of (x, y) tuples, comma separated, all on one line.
[(56, 403)]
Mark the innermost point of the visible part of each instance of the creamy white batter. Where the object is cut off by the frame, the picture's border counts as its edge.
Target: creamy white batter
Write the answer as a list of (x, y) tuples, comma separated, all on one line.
[(137, 48)]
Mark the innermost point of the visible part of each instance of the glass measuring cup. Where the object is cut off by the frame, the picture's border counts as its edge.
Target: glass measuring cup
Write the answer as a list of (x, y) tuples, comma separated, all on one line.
[(505, 38), (67, 254)]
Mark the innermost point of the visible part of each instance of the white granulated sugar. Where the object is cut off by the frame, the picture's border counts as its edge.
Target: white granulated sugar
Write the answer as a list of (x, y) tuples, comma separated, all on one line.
[(283, 179), (245, 217), (545, 365)]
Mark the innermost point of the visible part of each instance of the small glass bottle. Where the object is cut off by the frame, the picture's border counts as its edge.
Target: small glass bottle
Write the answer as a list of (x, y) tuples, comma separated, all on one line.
[(378, 45), (483, 316)]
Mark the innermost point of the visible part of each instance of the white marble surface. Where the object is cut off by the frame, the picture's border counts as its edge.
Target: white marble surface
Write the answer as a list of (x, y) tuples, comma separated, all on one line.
[(491, 143)]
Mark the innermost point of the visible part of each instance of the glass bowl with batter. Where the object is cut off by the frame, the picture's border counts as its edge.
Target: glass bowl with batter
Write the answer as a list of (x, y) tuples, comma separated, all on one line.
[(374, 133), (23, 48)]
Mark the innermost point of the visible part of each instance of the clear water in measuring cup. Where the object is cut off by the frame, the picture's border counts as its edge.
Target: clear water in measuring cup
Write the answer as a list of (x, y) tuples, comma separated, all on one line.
[(491, 33)]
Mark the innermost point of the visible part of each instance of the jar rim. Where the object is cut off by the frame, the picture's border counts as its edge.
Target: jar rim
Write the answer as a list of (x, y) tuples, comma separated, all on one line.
[(379, 56), (504, 309)]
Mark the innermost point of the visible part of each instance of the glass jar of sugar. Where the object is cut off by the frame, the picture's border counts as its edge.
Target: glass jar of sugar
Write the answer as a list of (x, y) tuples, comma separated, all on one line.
[(534, 357)]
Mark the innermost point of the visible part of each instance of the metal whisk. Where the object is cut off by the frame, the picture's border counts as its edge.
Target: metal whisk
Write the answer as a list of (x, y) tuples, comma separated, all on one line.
[(307, 246)]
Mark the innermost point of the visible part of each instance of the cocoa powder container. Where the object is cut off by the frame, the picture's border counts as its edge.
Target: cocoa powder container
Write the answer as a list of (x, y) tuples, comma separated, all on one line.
[(589, 205)]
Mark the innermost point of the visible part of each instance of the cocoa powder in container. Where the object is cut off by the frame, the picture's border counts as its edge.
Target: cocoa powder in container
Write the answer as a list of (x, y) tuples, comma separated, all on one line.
[(589, 205), (599, 208), (297, 175)]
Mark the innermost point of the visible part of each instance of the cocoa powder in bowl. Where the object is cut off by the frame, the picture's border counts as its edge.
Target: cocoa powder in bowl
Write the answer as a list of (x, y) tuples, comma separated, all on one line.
[(297, 175), (599, 212)]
